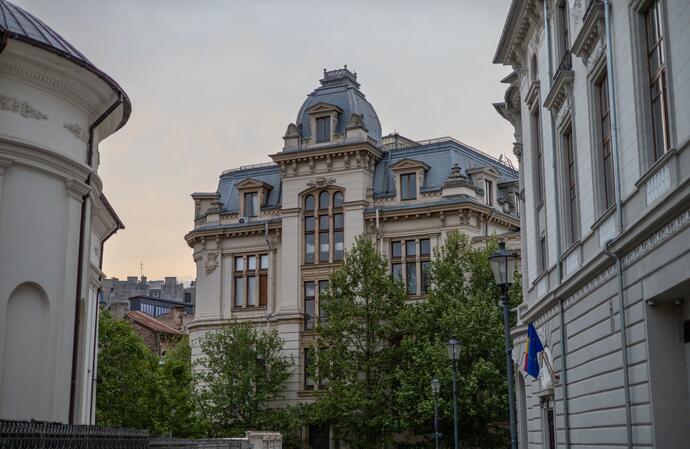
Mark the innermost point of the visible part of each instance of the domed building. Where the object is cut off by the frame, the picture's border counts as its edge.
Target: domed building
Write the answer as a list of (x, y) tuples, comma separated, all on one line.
[(266, 241), (55, 109)]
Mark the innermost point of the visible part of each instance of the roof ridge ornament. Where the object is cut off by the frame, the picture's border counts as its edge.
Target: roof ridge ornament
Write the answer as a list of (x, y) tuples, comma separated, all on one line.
[(338, 77)]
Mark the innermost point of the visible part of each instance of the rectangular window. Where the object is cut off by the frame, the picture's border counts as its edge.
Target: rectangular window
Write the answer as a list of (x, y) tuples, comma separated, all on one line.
[(425, 247), (323, 129), (425, 276), (396, 249), (239, 291), (251, 263), (396, 269), (408, 186), (323, 286), (411, 275), (338, 237), (410, 248), (264, 261), (324, 247), (489, 192), (563, 29), (656, 65), (309, 305), (263, 290), (608, 193), (309, 239), (251, 204), (251, 291), (571, 187), (239, 263), (308, 369), (539, 157)]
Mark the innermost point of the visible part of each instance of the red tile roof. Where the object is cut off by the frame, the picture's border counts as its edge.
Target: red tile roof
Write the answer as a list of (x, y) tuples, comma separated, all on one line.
[(150, 322)]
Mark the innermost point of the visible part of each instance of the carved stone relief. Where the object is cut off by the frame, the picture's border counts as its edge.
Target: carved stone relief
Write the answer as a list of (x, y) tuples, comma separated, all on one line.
[(23, 108), (211, 262), (321, 182), (77, 131)]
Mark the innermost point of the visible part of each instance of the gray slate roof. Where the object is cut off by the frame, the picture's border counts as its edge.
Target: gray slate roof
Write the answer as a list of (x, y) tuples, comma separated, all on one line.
[(18, 24), (267, 173)]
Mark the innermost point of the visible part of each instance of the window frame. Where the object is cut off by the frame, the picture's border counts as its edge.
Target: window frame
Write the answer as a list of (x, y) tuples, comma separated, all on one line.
[(488, 192), (318, 316), (405, 263), (570, 191), (254, 203), (408, 190), (323, 134), (324, 230), (242, 275)]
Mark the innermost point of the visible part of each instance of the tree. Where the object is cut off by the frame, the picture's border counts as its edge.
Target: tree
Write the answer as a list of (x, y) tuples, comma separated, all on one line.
[(462, 303), (128, 385), (239, 374), (358, 349)]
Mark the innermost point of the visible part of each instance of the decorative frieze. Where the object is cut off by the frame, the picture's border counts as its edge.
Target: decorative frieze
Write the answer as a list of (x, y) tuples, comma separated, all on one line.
[(674, 227), (321, 182), (23, 108)]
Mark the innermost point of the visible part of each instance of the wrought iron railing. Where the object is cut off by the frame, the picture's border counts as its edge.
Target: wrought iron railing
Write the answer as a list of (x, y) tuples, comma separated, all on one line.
[(44, 435), (565, 64)]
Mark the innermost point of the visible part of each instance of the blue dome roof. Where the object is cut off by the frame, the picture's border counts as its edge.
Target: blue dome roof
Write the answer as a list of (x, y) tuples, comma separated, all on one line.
[(18, 24), (340, 88)]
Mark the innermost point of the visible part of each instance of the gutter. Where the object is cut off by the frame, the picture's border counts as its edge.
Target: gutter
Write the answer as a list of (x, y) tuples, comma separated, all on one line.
[(554, 168), (80, 258), (619, 215)]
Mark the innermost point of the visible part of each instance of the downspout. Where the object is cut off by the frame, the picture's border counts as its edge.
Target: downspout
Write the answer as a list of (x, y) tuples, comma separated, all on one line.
[(619, 215), (80, 257), (554, 168)]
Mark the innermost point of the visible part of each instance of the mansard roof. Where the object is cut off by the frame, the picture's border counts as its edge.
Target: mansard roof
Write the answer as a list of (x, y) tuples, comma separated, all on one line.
[(265, 174)]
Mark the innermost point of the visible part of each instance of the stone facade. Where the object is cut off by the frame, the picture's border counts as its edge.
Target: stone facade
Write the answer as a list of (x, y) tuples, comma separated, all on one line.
[(606, 243), (115, 290), (55, 109), (280, 229)]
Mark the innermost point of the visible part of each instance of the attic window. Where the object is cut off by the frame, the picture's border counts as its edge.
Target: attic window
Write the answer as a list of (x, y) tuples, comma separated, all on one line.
[(408, 190), (251, 204), (323, 129)]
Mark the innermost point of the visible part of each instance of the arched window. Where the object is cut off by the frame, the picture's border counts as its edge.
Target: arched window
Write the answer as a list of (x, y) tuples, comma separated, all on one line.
[(324, 228)]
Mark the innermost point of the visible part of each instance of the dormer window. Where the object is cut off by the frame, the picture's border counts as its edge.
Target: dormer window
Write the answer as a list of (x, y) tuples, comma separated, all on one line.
[(251, 204), (323, 129), (408, 186), (489, 192)]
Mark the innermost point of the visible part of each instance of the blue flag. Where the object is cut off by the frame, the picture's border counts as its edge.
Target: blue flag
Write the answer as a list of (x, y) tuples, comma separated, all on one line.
[(534, 347)]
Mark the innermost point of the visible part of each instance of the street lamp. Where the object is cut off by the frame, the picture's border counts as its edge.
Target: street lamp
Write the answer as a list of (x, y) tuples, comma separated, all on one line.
[(453, 352), (503, 267), (435, 389)]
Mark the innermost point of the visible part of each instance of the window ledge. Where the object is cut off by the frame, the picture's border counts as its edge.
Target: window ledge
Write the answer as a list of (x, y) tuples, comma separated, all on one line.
[(541, 276), (656, 166), (571, 249), (248, 308), (603, 217)]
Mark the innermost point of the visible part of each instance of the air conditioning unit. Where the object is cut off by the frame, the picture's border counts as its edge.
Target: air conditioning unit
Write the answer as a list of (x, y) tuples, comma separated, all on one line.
[(244, 220)]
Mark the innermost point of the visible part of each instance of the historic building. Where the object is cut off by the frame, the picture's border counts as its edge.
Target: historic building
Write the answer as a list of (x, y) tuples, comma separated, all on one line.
[(267, 240), (600, 102), (55, 109)]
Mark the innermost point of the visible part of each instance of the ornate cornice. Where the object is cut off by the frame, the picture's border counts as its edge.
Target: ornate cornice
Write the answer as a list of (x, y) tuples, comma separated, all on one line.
[(23, 108)]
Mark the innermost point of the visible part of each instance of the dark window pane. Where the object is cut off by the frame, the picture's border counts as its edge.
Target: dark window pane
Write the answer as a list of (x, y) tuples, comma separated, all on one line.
[(263, 290), (338, 199), (408, 186), (396, 269), (323, 286), (239, 291), (396, 249), (425, 247), (309, 305), (308, 370), (338, 221), (251, 204), (323, 129), (309, 203), (309, 224), (425, 276), (411, 273), (410, 248), (323, 223), (323, 200), (251, 290)]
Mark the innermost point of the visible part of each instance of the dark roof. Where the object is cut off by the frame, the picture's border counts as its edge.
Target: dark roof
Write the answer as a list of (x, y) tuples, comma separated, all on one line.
[(151, 323), (18, 24), (267, 173)]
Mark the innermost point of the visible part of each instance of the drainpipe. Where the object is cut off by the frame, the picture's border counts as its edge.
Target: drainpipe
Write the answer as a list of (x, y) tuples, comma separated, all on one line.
[(619, 215), (554, 168), (80, 258)]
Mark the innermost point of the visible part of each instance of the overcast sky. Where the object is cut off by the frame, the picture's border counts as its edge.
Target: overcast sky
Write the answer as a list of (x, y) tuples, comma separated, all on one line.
[(213, 85)]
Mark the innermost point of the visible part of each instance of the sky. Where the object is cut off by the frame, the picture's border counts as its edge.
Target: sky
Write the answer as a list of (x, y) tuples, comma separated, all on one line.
[(214, 84)]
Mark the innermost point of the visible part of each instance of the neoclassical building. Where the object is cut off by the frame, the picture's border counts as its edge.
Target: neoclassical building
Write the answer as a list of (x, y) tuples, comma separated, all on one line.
[(55, 109), (600, 102), (267, 240)]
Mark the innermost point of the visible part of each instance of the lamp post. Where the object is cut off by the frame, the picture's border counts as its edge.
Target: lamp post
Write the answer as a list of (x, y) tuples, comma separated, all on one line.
[(503, 267), (453, 352), (435, 389)]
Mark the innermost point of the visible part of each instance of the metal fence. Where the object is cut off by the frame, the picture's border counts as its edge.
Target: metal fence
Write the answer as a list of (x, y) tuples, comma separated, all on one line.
[(44, 435)]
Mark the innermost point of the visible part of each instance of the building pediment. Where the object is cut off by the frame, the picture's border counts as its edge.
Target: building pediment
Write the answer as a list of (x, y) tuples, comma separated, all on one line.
[(409, 164), (251, 183), (323, 108), (484, 170)]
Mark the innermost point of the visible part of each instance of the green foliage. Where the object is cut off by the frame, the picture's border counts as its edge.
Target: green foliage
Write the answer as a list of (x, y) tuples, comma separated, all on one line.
[(138, 389), (240, 373), (358, 349)]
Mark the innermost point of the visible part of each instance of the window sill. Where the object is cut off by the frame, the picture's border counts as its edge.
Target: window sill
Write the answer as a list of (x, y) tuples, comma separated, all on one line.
[(603, 217), (248, 308), (655, 167), (541, 276)]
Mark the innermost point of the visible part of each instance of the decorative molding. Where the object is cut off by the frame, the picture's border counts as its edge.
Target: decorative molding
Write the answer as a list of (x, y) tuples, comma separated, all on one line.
[(43, 79), (23, 108), (321, 182), (211, 262), (77, 131), (563, 112), (607, 230), (591, 285), (658, 184), (593, 59), (677, 225), (76, 189)]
